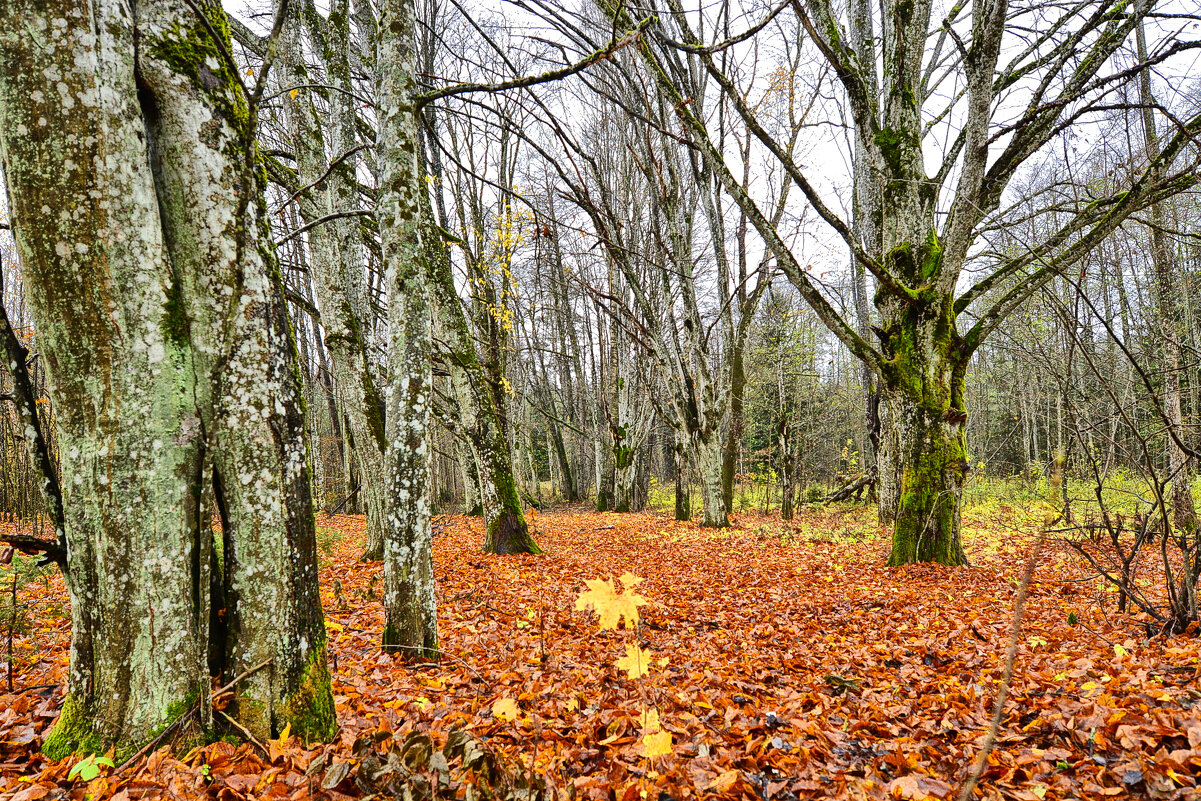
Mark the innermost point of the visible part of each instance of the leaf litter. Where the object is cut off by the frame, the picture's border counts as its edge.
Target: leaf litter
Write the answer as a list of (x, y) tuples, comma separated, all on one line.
[(647, 658)]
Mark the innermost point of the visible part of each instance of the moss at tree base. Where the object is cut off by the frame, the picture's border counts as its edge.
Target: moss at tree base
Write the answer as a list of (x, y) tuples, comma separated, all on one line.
[(72, 733), (509, 534), (309, 711)]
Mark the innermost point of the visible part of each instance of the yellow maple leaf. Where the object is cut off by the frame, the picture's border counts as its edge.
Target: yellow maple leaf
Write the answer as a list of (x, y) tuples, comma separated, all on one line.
[(1119, 651), (636, 662), (505, 708), (656, 745), (648, 722), (629, 580), (294, 93), (609, 605)]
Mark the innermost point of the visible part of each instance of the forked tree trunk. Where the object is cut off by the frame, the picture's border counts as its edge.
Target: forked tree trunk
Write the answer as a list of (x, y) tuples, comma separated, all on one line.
[(162, 322), (924, 388)]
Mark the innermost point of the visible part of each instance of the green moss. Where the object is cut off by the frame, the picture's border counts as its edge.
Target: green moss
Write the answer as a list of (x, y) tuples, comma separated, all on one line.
[(927, 526), (175, 322), (184, 740), (889, 142), (309, 710), (508, 533), (191, 51), (72, 733), (932, 254)]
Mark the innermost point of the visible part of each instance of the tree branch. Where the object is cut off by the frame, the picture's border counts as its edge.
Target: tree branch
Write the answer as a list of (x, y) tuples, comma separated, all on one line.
[(604, 52)]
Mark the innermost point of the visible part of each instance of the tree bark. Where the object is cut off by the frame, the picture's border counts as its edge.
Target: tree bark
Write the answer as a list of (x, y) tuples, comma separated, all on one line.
[(335, 288), (164, 328), (409, 606), (708, 450), (1169, 303)]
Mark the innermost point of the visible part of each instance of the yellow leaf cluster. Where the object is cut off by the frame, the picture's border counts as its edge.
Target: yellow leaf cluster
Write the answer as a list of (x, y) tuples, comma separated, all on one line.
[(636, 662), (505, 709), (609, 604), (656, 745)]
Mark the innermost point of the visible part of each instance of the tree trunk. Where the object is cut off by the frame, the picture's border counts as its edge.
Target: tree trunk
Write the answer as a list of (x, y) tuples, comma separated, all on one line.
[(889, 461), (409, 608), (683, 501), (623, 476), (164, 330), (787, 486), (473, 505), (924, 387), (334, 288), (506, 527), (708, 456), (1169, 302), (733, 445)]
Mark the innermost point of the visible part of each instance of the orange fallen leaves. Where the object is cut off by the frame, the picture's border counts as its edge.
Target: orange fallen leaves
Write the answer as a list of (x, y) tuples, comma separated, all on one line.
[(767, 681)]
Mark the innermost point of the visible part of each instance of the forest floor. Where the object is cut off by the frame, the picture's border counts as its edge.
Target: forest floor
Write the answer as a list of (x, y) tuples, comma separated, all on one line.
[(785, 661)]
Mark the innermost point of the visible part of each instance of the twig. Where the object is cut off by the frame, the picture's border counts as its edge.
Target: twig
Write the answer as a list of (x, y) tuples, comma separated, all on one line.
[(12, 624), (337, 215), (162, 735), (990, 736), (249, 672), (245, 732), (188, 715)]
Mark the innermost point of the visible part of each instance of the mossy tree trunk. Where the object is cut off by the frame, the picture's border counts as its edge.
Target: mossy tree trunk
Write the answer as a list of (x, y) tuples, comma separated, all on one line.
[(683, 501), (411, 619), (138, 214), (922, 377), (707, 446), (336, 254), (929, 223), (506, 530)]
